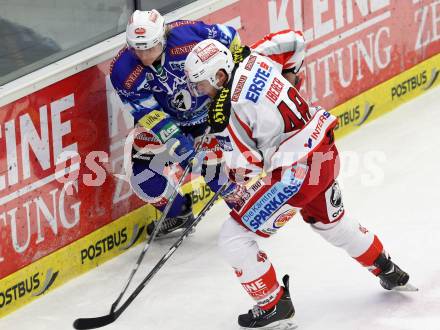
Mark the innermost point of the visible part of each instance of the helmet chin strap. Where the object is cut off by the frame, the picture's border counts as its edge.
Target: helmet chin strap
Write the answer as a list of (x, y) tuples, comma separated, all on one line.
[(162, 54), (164, 44), (160, 58), (220, 87), (215, 84)]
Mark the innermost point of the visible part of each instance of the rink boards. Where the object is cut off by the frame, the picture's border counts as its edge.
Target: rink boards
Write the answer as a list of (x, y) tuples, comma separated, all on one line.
[(113, 239), (387, 96), (361, 62), (49, 272)]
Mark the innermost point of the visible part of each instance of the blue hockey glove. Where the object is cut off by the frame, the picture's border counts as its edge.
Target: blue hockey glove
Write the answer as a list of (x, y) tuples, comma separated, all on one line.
[(179, 146)]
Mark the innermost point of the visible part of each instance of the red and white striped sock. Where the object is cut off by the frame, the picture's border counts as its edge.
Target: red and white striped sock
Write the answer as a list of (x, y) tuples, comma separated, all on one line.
[(265, 290), (368, 258)]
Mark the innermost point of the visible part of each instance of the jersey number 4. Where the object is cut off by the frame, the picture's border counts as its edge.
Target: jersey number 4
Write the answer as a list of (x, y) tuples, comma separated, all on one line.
[(294, 119)]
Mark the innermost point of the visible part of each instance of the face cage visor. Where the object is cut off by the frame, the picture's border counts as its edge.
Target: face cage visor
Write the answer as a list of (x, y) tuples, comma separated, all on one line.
[(194, 90)]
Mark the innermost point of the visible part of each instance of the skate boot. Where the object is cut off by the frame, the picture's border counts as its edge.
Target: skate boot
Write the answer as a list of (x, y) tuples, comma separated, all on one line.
[(279, 317), (391, 276), (184, 220)]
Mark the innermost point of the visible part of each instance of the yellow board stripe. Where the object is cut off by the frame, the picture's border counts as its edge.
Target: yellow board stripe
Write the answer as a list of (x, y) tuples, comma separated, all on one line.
[(90, 251), (387, 96), (49, 272)]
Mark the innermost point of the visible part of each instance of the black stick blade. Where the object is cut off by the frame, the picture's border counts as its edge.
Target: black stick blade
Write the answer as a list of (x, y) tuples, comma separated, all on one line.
[(94, 322)]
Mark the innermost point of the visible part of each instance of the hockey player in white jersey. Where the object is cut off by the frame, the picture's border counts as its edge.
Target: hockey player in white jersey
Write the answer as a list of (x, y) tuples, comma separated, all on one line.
[(281, 152)]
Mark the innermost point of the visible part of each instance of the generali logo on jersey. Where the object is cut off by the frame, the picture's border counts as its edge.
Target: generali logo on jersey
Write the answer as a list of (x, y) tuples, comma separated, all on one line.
[(238, 88), (185, 49)]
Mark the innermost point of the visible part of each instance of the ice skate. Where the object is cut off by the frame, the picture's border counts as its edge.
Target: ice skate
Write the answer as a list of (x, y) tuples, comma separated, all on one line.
[(391, 276), (169, 225), (279, 317)]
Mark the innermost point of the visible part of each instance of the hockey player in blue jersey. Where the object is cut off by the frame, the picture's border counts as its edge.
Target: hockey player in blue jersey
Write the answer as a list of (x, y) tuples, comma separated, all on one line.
[(149, 78)]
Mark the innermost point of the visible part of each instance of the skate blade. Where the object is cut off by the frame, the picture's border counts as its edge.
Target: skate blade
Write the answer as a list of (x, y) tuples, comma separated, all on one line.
[(174, 234), (288, 324), (406, 288)]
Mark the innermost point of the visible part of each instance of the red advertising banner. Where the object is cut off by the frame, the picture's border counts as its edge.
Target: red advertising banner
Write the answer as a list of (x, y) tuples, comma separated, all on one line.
[(59, 150), (352, 45)]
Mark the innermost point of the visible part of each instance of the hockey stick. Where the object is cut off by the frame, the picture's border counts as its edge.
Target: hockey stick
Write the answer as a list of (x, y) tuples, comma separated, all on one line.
[(101, 321), (159, 223)]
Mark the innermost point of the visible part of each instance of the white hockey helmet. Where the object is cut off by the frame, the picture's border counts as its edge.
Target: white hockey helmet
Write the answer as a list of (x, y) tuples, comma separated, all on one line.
[(204, 61), (145, 29)]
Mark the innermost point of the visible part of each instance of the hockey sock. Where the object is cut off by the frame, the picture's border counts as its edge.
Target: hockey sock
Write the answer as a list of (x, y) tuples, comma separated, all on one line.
[(369, 257), (265, 290)]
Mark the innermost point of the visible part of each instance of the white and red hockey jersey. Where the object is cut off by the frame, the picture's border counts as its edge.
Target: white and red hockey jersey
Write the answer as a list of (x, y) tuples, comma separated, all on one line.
[(287, 48), (270, 125)]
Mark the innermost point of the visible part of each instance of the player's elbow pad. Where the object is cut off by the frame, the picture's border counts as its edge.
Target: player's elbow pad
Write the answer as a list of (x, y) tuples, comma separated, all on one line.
[(295, 69)]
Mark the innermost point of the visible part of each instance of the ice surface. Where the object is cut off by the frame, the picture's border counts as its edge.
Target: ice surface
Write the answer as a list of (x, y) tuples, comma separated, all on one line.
[(390, 183)]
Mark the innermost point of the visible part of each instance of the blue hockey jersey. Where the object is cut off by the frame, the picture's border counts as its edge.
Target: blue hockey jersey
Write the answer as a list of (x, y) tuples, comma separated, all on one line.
[(164, 88)]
